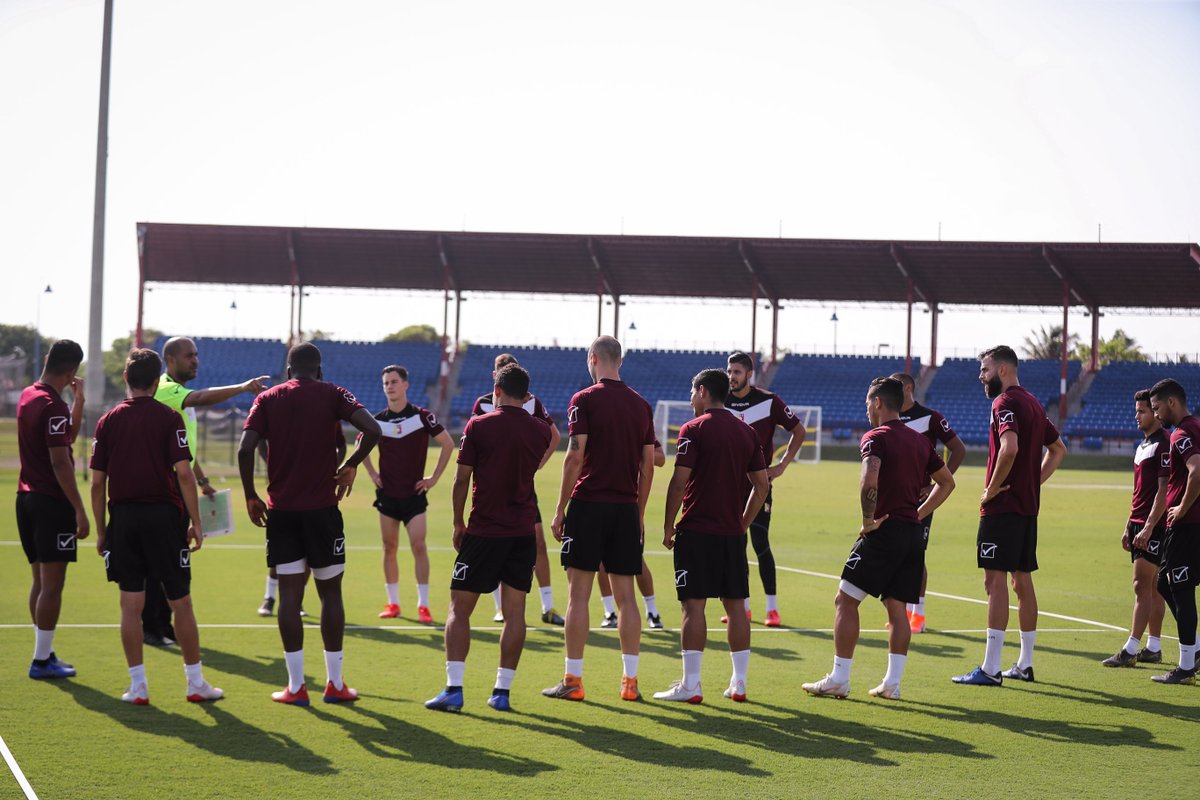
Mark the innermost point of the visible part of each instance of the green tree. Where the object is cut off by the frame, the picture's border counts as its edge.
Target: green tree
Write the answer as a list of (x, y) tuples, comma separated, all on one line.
[(114, 361), (18, 340), (316, 334), (1119, 347), (415, 333), (1046, 343)]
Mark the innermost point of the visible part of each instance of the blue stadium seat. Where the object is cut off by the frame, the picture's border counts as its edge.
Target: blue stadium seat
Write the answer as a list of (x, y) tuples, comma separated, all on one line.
[(836, 383), (1108, 406), (224, 362)]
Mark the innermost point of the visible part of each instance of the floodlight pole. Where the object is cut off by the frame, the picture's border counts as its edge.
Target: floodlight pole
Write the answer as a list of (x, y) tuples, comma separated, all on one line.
[(1062, 379), (95, 371), (933, 333), (908, 334), (138, 334), (754, 318)]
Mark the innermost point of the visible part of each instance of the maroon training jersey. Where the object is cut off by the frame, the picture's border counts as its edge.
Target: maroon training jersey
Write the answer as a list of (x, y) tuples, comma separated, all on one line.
[(762, 411), (721, 452), (298, 420), (404, 446), (906, 463), (1019, 411), (1151, 461), (43, 421), (931, 423), (138, 443), (486, 405), (505, 449), (1184, 441), (618, 423)]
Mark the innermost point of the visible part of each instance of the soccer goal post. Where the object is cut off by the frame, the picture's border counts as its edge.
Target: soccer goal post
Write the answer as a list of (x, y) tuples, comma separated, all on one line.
[(669, 416)]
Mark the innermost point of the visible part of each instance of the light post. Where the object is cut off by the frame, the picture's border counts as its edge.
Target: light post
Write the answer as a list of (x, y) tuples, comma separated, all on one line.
[(834, 320), (233, 308), (37, 334)]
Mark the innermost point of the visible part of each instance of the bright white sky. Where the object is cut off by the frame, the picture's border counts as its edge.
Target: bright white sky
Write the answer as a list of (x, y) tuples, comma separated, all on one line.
[(849, 119)]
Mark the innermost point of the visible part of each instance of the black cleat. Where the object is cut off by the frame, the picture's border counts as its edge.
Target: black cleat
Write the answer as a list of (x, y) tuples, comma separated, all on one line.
[(1148, 656), (610, 620), (1015, 673), (1177, 675), (1123, 658)]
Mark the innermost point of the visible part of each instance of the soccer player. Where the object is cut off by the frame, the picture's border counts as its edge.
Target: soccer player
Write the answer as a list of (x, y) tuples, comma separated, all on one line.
[(1143, 537), (1179, 567), (304, 525), (763, 411), (713, 459), (485, 405), (607, 474), (502, 450), (888, 558), (1008, 511), (182, 361), (50, 513), (141, 460), (401, 494), (937, 429)]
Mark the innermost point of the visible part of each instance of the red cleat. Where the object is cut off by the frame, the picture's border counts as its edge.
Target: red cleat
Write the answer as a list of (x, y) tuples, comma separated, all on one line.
[(424, 616), (390, 611), (299, 698), (342, 695), (772, 620)]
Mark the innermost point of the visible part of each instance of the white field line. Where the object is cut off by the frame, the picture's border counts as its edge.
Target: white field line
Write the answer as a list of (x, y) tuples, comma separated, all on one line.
[(1114, 486), (16, 771)]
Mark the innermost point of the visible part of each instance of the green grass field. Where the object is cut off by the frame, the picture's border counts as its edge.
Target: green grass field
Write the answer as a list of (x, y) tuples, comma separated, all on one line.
[(1081, 730)]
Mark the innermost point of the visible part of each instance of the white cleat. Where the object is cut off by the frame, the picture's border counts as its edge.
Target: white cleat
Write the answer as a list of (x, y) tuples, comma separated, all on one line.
[(827, 687), (681, 694), (888, 691), (736, 691), (498, 616), (203, 693), (137, 695)]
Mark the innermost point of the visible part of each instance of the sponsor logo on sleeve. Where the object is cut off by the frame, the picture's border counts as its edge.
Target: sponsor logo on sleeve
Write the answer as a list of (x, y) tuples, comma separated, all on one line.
[(181, 438), (681, 447), (432, 420), (987, 550), (462, 441), (339, 546), (59, 425), (1179, 575), (185, 558), (787, 410), (1166, 459), (349, 395), (680, 578), (866, 447), (572, 415), (66, 542), (945, 424), (855, 557), (460, 571), (1005, 418), (1184, 444)]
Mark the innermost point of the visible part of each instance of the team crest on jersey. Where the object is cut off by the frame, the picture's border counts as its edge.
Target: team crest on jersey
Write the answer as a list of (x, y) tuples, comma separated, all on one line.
[(185, 558), (945, 424), (1179, 575), (1184, 444), (680, 578), (987, 550), (339, 546), (1166, 459), (681, 447), (572, 415), (58, 425), (866, 447), (787, 410), (1005, 418), (462, 441), (181, 438), (432, 419), (66, 542), (349, 395), (460, 571)]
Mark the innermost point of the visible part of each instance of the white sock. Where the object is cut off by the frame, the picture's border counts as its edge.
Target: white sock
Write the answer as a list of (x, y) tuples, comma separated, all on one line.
[(1154, 644), (895, 670), (651, 605), (423, 595), (841, 669), (454, 673), (993, 651), (272, 587), (609, 606), (630, 665), (741, 663), (547, 594), (43, 644), (909, 607), (195, 674), (496, 597), (333, 667), (504, 677), (1187, 656), (920, 608), (137, 676), (295, 668), (575, 667), (1025, 660), (393, 593), (1131, 646), (747, 603), (772, 602), (691, 667)]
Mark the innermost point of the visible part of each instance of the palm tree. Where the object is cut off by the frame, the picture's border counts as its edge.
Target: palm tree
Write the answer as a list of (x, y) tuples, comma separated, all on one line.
[(1119, 347), (1046, 343)]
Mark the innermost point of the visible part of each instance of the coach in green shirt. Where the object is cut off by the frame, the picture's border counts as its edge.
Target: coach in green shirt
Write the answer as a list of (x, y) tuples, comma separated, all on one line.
[(182, 361)]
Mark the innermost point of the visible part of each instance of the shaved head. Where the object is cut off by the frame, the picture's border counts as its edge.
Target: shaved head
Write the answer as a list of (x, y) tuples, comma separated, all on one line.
[(177, 345), (607, 350)]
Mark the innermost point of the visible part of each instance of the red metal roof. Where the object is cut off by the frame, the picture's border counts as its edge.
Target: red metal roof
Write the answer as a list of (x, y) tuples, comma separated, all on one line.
[(1122, 275)]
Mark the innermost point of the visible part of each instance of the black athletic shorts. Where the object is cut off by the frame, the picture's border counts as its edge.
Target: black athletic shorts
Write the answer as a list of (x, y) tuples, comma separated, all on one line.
[(710, 565), (484, 562), (405, 509), (888, 562), (602, 533), (1007, 542), (316, 536), (1180, 564), (926, 524), (762, 520), (1154, 548), (46, 526), (148, 542), (538, 509)]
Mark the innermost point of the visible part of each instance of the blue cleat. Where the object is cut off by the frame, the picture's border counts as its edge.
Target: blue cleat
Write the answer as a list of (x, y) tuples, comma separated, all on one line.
[(500, 702), (977, 677), (50, 669), (449, 699), (1017, 674)]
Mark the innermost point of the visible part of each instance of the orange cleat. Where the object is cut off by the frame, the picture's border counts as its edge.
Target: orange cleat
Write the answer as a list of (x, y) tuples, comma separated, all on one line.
[(629, 689), (569, 688), (725, 618), (916, 622), (390, 611), (424, 616)]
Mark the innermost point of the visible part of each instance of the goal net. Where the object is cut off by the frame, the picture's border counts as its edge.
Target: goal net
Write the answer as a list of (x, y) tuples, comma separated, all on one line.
[(669, 416)]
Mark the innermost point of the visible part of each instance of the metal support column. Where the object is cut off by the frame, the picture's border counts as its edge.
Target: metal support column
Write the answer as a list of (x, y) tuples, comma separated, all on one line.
[(138, 331), (774, 332), (933, 333), (908, 334), (1095, 362), (95, 349), (754, 319), (617, 317), (1062, 378)]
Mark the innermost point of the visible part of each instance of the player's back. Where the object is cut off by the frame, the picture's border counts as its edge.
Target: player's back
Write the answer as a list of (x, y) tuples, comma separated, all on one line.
[(505, 448), (618, 423), (43, 421), (138, 443), (906, 462), (721, 451)]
